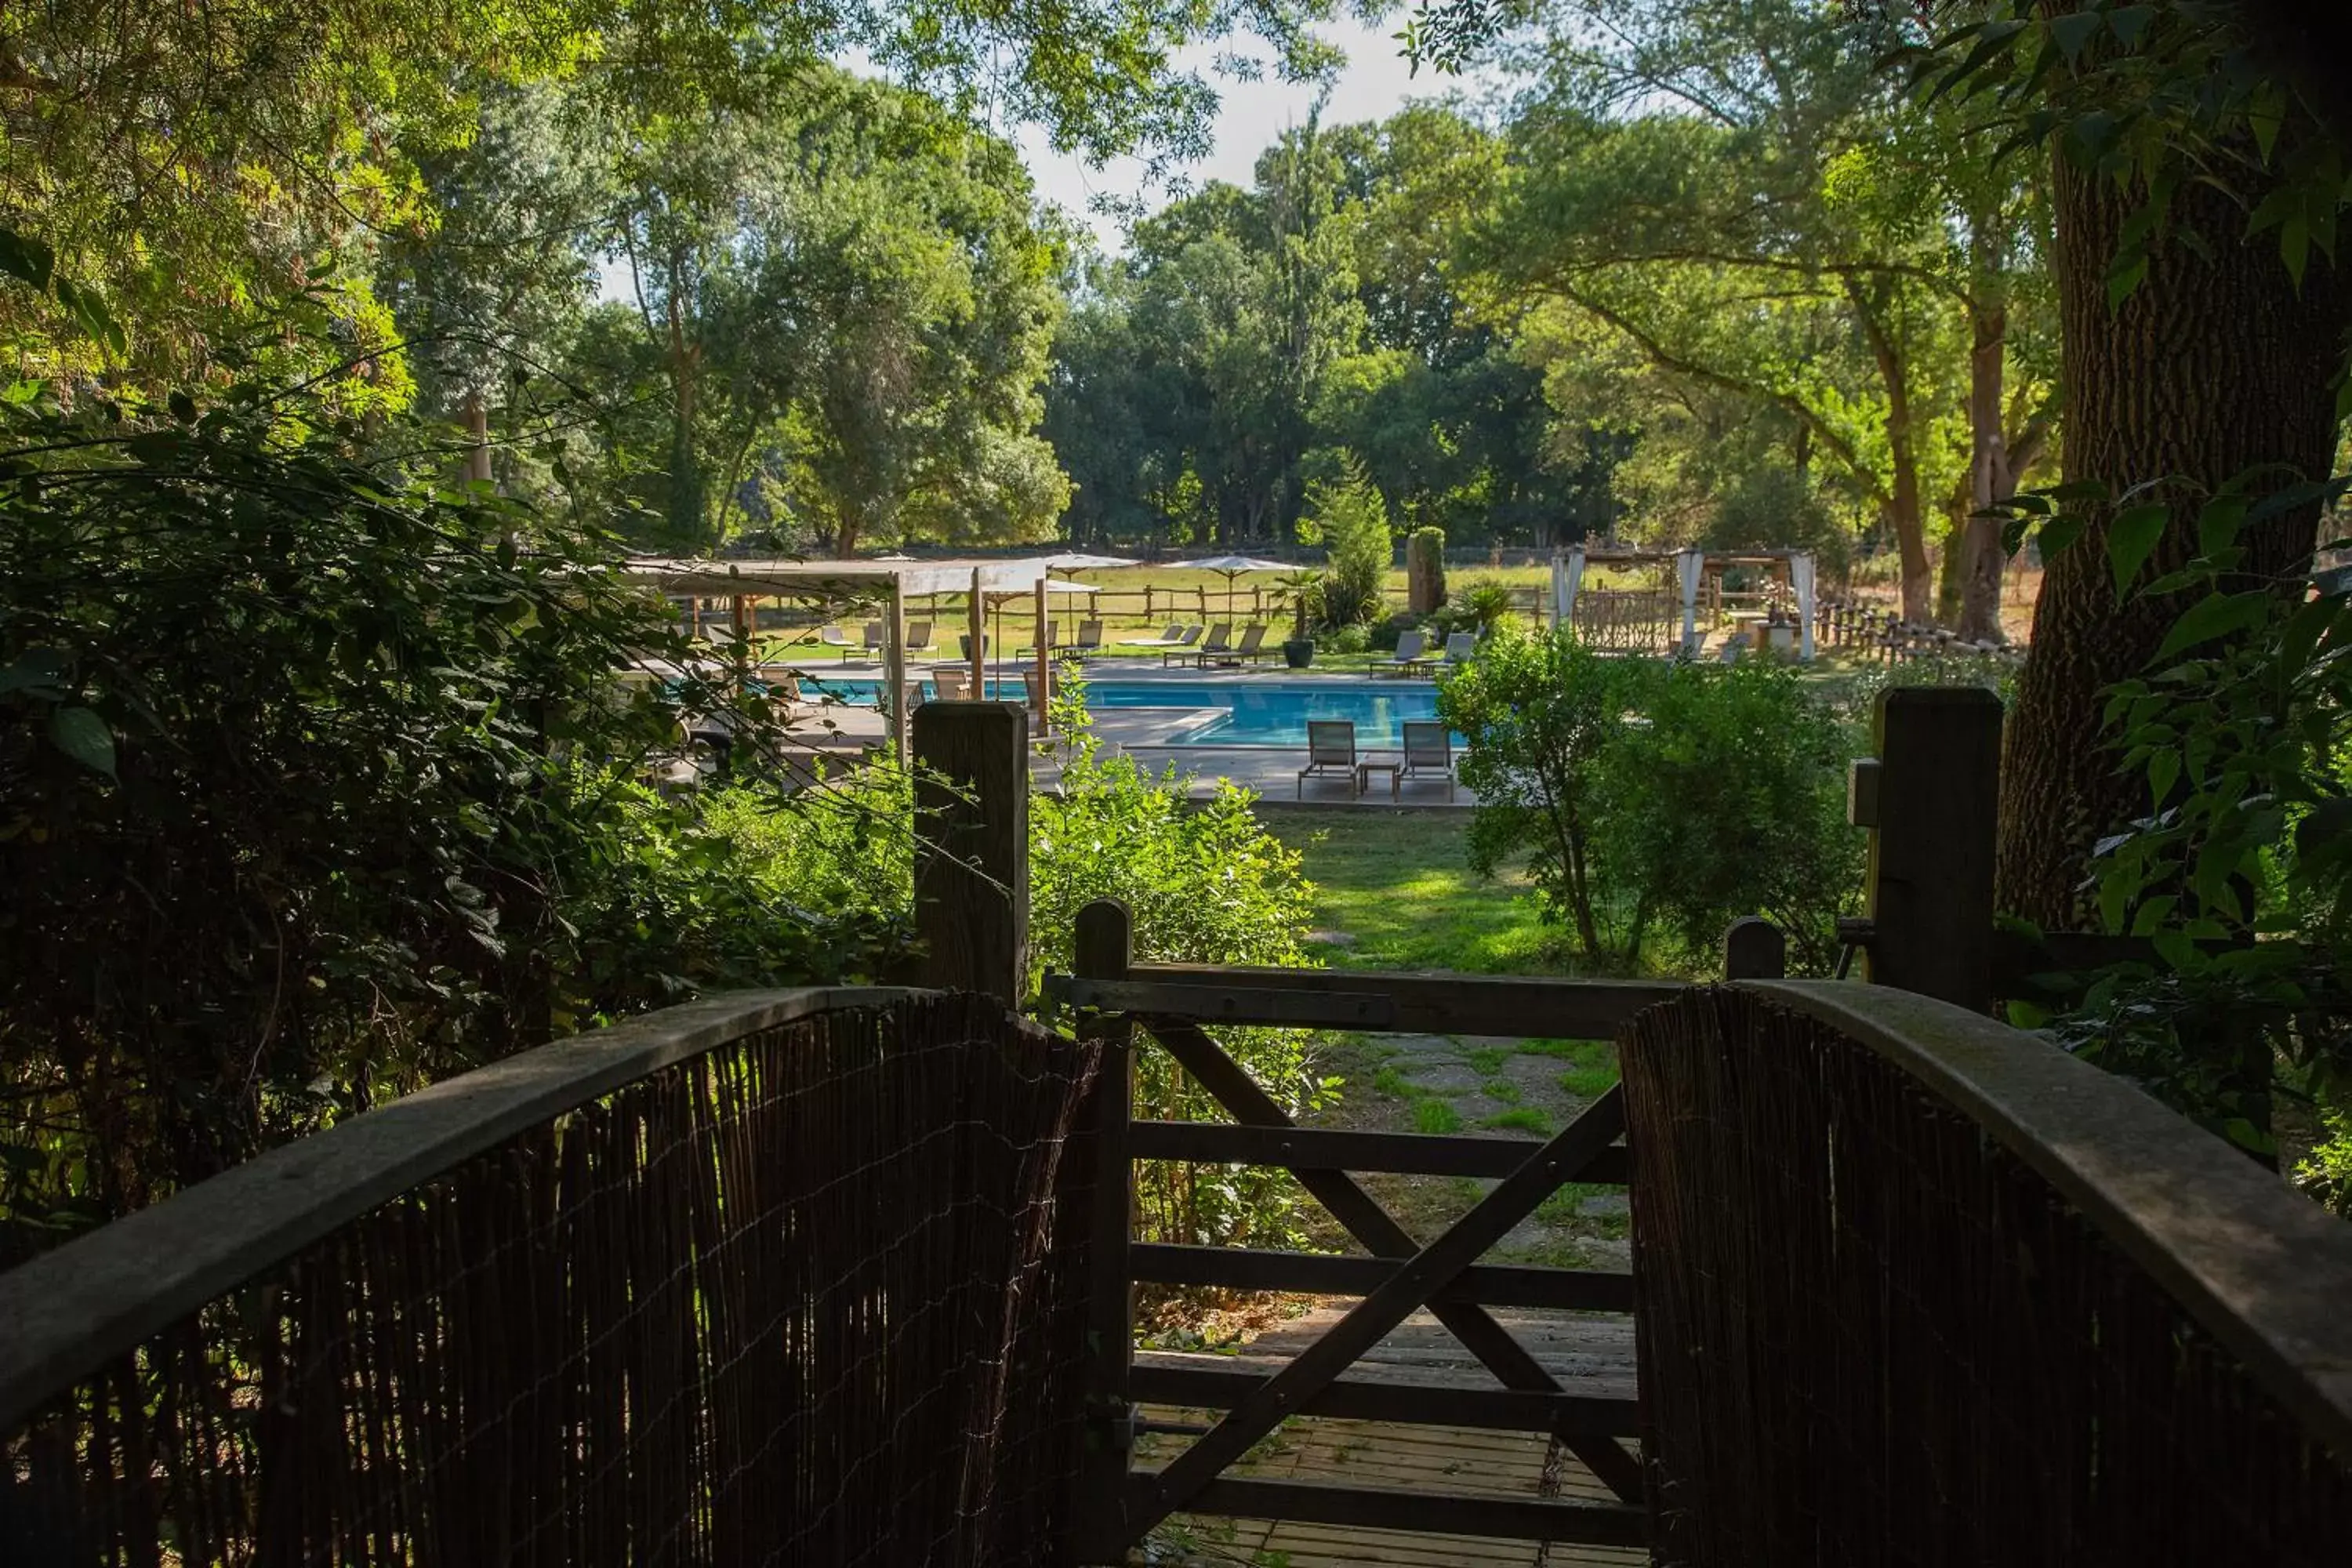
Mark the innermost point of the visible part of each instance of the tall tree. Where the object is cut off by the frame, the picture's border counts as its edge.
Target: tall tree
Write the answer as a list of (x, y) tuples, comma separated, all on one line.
[(1712, 180), (2204, 321)]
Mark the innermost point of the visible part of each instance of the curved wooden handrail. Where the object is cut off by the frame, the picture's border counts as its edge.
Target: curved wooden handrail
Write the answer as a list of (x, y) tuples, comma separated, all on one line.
[(67, 1313), (2266, 1273)]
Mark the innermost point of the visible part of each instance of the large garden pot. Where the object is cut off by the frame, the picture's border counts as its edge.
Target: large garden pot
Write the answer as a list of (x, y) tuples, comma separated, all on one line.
[(1298, 652)]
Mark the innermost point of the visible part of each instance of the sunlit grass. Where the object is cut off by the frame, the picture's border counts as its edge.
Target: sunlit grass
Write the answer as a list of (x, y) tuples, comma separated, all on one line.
[(1522, 1118), (1400, 884), (1434, 1113)]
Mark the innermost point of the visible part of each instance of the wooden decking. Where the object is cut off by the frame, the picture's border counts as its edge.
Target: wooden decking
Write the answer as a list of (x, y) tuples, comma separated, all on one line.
[(1589, 1353)]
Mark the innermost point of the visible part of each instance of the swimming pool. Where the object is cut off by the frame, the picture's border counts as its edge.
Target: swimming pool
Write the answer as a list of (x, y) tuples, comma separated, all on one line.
[(1235, 713)]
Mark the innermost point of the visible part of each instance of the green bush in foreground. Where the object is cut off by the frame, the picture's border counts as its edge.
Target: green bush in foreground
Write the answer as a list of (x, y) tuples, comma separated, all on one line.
[(1656, 802), (1206, 883)]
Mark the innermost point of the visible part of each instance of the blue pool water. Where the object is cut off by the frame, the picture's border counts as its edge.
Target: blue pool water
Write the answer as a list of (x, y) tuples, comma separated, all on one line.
[(1252, 713)]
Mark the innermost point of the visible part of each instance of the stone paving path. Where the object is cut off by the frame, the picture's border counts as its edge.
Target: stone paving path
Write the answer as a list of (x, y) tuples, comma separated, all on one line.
[(1490, 1087)]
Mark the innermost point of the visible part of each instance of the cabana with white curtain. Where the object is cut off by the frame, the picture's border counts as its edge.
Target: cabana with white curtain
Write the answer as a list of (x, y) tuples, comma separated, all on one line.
[(742, 582), (1693, 570)]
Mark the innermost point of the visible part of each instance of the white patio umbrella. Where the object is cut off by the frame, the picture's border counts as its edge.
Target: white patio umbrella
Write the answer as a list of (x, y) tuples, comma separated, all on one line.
[(1230, 567)]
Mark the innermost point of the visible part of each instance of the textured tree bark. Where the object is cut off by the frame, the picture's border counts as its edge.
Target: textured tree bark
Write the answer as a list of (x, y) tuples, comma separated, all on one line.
[(1991, 478), (1902, 506), (478, 432), (2208, 369)]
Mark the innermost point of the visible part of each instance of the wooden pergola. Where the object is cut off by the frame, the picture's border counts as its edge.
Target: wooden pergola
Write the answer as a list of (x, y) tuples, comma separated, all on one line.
[(742, 582), (1794, 567)]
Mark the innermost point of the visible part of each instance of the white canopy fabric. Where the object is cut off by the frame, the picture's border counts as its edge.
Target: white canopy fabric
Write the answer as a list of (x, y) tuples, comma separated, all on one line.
[(1233, 565), (785, 579), (1092, 563), (1801, 578), (1690, 566), (1567, 579)]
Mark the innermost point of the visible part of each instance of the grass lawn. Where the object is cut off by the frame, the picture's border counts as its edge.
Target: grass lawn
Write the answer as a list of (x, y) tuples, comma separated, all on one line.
[(1397, 886)]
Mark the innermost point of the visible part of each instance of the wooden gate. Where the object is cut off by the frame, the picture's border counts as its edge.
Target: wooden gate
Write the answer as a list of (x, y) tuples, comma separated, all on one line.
[(1131, 1007)]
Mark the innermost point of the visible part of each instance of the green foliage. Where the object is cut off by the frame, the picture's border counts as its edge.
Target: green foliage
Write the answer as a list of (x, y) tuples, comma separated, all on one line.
[(1659, 801), (1478, 607), (1538, 715), (317, 784), (203, 166), (2240, 870), (1351, 520), (1435, 1114), (2327, 1175), (1730, 801), (1248, 331), (1204, 883), (2155, 97)]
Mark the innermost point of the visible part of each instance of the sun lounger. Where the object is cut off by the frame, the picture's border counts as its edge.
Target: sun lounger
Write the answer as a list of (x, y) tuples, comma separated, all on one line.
[(919, 636), (1330, 752), (1460, 649), (835, 637), (874, 638), (1221, 638), (1428, 752), (1090, 635), (953, 683), (1165, 640), (1411, 656), (1253, 643)]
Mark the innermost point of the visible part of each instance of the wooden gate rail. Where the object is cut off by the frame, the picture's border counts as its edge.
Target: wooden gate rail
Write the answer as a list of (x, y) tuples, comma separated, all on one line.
[(1171, 1001), (1432, 1002), (1346, 1149)]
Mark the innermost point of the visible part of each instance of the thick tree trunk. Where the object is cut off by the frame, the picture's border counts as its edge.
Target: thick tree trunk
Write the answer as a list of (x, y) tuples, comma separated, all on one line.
[(1951, 562), (1991, 479), (478, 432), (2209, 368), (686, 480), (1901, 506)]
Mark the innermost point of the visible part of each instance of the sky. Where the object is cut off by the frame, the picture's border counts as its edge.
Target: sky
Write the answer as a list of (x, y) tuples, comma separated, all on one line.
[(1375, 83)]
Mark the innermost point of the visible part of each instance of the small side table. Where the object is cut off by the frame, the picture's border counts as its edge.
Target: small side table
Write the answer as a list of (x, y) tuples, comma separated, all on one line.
[(1392, 767)]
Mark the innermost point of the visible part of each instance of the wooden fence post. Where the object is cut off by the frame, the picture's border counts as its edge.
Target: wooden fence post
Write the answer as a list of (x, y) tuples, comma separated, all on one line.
[(1755, 949), (1931, 852), (972, 846), (1102, 951)]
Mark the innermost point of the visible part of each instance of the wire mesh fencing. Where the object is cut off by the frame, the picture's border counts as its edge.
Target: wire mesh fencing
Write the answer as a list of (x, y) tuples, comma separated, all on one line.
[(812, 1297), (1869, 1333)]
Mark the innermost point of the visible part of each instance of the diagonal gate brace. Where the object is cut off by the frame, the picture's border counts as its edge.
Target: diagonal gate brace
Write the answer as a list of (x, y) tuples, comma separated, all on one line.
[(1372, 1226), (1430, 1268)]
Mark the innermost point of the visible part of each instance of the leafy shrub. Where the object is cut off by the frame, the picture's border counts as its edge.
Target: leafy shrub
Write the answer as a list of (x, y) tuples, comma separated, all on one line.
[(317, 784), (1386, 633), (1204, 883), (1729, 800), (1659, 800), (2240, 872), (1353, 637), (1351, 518), (1476, 607), (1538, 715)]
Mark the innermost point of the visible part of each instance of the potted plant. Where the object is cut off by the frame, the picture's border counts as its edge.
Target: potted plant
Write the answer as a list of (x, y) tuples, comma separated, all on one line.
[(1303, 590)]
